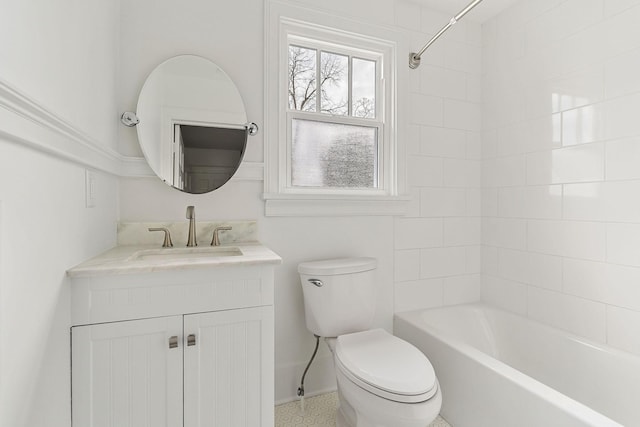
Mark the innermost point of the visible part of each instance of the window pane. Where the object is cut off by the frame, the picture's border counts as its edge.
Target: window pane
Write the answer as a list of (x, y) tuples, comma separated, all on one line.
[(302, 78), (364, 88), (334, 83), (333, 155)]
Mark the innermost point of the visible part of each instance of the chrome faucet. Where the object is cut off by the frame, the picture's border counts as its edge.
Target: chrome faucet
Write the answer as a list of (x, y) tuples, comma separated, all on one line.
[(191, 216), (216, 239)]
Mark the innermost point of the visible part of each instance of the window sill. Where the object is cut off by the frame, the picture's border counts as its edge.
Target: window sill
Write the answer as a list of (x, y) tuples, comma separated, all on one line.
[(333, 205)]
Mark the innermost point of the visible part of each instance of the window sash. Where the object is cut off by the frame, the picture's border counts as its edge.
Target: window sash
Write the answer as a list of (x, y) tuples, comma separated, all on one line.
[(351, 53), (325, 118)]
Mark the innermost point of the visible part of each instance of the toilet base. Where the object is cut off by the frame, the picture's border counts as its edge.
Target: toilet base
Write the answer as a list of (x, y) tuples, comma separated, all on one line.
[(378, 412)]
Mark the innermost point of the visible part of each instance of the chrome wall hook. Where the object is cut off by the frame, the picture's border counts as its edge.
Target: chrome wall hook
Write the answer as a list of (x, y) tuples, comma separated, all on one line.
[(129, 119)]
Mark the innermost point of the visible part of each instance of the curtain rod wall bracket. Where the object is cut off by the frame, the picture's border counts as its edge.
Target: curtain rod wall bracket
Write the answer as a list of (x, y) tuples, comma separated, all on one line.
[(414, 58)]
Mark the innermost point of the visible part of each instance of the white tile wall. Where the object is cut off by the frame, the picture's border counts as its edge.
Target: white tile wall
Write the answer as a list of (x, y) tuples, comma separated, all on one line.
[(561, 166), (438, 250)]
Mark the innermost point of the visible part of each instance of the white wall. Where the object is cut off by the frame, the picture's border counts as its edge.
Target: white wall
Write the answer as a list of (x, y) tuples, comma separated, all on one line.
[(430, 258), (561, 148), (62, 56)]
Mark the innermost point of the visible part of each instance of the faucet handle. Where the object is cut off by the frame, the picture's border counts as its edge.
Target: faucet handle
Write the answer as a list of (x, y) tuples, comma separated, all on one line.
[(167, 236), (215, 241), (191, 212)]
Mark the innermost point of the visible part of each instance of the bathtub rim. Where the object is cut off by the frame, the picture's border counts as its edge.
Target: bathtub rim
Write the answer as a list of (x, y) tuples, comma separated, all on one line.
[(581, 411)]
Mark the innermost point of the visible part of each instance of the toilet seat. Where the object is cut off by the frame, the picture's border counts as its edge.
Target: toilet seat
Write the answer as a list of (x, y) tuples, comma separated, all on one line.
[(386, 366)]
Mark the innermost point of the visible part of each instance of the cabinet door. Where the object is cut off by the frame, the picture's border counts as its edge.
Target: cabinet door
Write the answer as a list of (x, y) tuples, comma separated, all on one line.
[(228, 374), (125, 375)]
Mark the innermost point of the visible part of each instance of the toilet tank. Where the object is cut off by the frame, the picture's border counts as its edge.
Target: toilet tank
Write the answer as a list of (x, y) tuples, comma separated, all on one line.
[(339, 295)]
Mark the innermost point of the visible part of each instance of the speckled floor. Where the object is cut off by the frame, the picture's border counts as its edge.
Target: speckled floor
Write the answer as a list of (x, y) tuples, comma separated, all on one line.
[(319, 411)]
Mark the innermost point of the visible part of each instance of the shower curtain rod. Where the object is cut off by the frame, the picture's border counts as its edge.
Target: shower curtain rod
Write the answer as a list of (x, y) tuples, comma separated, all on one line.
[(414, 58)]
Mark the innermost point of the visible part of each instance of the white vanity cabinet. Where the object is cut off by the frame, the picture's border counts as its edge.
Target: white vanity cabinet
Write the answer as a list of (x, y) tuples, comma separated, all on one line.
[(185, 347)]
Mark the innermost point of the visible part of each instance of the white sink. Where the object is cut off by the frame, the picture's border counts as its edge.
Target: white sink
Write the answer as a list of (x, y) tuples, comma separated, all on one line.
[(169, 254)]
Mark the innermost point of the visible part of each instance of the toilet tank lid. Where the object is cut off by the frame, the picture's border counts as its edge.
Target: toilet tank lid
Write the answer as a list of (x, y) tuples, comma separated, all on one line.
[(330, 267)]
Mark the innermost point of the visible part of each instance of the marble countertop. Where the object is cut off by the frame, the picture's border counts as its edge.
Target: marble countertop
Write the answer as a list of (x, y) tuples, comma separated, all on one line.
[(123, 259)]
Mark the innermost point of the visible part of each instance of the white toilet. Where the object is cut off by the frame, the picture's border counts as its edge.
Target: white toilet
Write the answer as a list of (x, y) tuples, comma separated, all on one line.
[(383, 381)]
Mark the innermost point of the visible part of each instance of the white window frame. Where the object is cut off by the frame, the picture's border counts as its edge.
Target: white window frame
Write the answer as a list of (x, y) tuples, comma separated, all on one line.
[(287, 24)]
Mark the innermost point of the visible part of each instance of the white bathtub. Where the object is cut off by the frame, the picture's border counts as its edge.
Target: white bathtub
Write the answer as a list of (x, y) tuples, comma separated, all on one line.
[(502, 370)]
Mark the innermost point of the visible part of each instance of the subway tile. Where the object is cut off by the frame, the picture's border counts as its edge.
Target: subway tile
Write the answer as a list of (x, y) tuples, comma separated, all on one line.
[(489, 197), (443, 142), (462, 115), (461, 231), (412, 233), (621, 202), (461, 289), (585, 279), (504, 171), (578, 164), (506, 294), (621, 116), (511, 140), (545, 237), (490, 260), (424, 171), (544, 271), (622, 159), (584, 240), (461, 173), (407, 14), (622, 286), (577, 89), (543, 201), (442, 262), (474, 201), (512, 265), (623, 244), (543, 133), (426, 110), (584, 202), (474, 259), (621, 33), (623, 329), (463, 57), (407, 265), (583, 125), (504, 232), (577, 315), (621, 75), (511, 202), (443, 82), (418, 294), (443, 202), (474, 145)]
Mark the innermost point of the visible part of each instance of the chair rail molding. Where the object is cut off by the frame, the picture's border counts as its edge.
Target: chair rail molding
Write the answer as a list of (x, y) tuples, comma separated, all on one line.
[(23, 120)]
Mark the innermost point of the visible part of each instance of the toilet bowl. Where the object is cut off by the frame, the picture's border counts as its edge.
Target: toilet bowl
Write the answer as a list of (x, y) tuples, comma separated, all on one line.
[(383, 381)]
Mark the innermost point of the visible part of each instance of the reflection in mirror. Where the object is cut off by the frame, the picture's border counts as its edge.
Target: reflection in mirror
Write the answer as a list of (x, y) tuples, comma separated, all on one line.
[(193, 126), (206, 157)]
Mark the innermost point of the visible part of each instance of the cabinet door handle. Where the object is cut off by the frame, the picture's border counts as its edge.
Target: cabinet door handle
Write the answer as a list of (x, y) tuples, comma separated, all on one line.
[(173, 341), (191, 340)]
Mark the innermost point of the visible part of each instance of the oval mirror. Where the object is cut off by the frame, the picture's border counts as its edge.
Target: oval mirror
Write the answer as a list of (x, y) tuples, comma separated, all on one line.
[(193, 126)]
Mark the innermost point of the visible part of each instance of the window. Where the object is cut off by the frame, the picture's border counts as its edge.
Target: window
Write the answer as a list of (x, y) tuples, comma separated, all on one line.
[(331, 110), (335, 135)]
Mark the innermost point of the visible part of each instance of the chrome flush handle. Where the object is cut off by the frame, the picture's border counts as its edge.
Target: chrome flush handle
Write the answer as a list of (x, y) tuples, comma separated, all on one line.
[(316, 282)]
